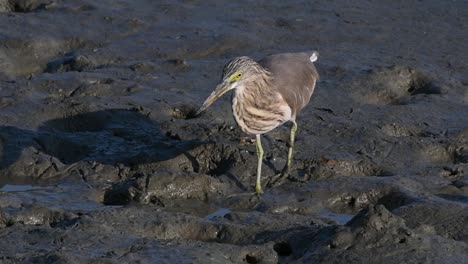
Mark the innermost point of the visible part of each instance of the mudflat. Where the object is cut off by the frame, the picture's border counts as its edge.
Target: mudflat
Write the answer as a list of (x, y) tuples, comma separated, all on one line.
[(100, 164)]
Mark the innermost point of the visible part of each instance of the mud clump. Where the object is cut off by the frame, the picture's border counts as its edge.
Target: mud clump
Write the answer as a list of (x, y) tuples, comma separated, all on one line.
[(144, 67), (214, 159), (394, 85), (356, 201), (71, 63), (34, 216), (461, 155), (185, 111), (374, 227), (444, 219), (158, 187), (370, 227), (328, 168)]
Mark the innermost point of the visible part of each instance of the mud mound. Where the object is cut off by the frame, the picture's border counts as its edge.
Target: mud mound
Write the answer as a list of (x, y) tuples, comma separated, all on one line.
[(35, 216), (375, 227), (214, 159), (184, 111), (394, 85), (71, 63), (355, 201), (159, 187), (447, 220), (327, 168)]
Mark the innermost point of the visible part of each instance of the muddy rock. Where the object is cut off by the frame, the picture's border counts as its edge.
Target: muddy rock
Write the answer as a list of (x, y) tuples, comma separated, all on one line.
[(378, 230), (157, 187)]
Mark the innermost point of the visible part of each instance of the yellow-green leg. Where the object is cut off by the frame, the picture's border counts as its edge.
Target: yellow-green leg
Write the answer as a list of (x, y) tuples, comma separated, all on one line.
[(258, 186), (292, 136), (279, 178)]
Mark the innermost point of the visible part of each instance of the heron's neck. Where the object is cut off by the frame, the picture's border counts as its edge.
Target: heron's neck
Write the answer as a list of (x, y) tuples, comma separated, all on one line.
[(258, 107), (253, 87)]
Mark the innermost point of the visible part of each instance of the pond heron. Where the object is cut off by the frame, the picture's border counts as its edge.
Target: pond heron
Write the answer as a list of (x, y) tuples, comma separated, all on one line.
[(267, 94)]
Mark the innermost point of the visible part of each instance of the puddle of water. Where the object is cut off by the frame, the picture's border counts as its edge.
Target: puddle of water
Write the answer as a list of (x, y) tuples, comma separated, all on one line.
[(220, 213), (23, 188), (338, 218)]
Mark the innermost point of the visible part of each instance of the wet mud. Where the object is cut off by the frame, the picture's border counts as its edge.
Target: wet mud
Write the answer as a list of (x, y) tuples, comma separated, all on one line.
[(102, 160)]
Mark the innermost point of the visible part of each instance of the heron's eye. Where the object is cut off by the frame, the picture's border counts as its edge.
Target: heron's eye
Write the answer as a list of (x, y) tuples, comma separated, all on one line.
[(235, 76)]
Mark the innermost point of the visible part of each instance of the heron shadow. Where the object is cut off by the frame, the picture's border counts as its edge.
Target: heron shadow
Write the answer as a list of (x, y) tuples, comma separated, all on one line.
[(114, 136)]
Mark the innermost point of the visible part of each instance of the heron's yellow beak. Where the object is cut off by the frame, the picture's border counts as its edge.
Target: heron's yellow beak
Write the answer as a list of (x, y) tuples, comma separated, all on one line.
[(221, 89)]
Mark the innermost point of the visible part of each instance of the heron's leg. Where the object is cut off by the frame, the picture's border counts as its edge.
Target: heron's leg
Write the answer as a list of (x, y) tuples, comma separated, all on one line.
[(278, 179), (292, 136), (258, 186)]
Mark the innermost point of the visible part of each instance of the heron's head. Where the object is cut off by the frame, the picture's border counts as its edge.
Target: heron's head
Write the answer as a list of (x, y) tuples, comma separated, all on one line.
[(234, 73)]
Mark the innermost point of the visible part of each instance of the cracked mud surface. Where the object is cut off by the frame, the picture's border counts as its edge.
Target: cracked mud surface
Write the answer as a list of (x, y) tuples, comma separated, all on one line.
[(100, 161)]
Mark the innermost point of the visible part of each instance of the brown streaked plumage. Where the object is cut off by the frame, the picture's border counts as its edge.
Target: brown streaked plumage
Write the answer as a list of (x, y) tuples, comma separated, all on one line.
[(267, 94)]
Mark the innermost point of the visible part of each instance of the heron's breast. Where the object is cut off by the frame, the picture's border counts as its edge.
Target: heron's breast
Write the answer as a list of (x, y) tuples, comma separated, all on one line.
[(257, 118)]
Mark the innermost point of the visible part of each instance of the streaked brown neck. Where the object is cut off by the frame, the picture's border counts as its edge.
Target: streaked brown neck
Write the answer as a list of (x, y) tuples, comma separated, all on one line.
[(256, 105)]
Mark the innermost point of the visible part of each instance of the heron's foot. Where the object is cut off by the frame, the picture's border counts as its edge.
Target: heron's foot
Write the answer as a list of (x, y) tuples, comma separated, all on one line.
[(284, 176), (242, 194), (258, 189), (278, 179)]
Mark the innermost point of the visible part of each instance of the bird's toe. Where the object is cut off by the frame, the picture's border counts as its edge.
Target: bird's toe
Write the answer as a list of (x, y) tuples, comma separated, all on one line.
[(278, 179)]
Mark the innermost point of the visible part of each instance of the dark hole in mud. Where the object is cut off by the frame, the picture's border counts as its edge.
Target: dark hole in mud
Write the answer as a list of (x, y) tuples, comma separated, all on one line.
[(394, 200), (178, 62), (421, 84), (221, 235), (156, 201), (64, 223), (396, 85), (461, 155), (251, 259), (123, 193), (173, 136), (213, 159), (26, 6), (71, 63), (184, 112), (352, 203), (220, 167), (283, 248)]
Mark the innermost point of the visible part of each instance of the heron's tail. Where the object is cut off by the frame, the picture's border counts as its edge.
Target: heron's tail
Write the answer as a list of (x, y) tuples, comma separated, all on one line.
[(314, 56)]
